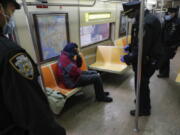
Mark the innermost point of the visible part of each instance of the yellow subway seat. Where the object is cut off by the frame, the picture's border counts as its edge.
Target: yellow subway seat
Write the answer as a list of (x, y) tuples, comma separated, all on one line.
[(178, 78), (109, 67), (108, 59)]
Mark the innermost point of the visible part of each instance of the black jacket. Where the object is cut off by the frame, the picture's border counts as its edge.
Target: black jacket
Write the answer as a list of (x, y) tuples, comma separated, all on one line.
[(171, 37), (151, 40), (171, 32), (24, 109)]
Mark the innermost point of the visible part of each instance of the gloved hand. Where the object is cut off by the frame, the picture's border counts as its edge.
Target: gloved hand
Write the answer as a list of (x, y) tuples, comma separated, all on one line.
[(122, 59), (126, 48)]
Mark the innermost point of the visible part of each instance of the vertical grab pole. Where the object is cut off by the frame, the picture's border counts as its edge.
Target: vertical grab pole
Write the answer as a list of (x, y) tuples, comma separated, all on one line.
[(33, 40), (162, 4), (31, 28), (140, 51), (127, 29)]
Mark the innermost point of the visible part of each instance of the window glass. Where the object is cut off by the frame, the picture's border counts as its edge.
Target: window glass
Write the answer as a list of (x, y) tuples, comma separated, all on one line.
[(94, 33)]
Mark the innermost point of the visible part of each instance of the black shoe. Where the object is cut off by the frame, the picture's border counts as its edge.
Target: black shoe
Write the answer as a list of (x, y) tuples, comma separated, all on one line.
[(162, 76), (144, 113), (106, 93), (105, 99)]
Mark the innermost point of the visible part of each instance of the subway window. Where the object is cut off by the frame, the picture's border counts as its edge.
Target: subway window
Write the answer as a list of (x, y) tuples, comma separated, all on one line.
[(94, 33)]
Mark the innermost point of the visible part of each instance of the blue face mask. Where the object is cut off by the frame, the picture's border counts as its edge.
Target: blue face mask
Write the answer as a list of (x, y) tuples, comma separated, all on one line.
[(167, 17), (8, 27)]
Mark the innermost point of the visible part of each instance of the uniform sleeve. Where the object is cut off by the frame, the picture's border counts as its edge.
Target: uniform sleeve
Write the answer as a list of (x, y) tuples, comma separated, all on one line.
[(24, 98), (147, 45), (133, 50), (147, 40), (131, 56), (174, 41)]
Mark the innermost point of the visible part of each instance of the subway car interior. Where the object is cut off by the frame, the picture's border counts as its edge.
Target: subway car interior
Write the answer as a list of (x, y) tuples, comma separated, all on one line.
[(101, 30)]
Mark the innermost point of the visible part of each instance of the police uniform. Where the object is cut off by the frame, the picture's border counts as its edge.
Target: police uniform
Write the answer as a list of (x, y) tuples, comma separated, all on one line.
[(24, 109), (151, 37), (170, 41)]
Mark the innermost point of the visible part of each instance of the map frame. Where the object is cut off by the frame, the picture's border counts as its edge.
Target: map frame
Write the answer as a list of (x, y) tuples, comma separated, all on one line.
[(38, 47)]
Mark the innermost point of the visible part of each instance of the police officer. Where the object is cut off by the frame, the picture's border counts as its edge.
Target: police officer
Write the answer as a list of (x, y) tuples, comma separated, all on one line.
[(170, 40), (151, 36), (24, 109)]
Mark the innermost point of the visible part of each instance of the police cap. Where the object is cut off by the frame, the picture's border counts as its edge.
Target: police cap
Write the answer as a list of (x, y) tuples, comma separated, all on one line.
[(4, 2), (130, 6)]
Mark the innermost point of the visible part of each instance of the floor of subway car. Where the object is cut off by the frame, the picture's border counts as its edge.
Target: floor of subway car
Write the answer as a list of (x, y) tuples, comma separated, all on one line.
[(82, 115)]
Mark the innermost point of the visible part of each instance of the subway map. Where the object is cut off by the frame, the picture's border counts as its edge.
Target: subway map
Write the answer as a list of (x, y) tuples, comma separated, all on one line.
[(52, 34)]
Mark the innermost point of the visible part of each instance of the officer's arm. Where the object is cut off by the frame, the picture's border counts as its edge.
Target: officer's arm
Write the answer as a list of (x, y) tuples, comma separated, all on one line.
[(131, 56), (133, 51), (147, 40), (23, 97), (175, 40)]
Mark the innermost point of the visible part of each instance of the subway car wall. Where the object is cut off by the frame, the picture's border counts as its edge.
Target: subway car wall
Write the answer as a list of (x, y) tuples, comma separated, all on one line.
[(75, 20)]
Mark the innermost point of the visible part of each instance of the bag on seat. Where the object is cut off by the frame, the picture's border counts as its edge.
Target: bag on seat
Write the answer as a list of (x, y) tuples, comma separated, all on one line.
[(56, 100)]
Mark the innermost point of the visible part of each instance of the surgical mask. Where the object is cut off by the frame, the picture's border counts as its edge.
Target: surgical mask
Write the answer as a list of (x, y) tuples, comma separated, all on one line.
[(9, 26), (131, 20), (167, 17)]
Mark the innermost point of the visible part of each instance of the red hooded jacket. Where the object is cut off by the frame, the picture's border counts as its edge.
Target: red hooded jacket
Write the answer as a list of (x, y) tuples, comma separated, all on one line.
[(68, 71)]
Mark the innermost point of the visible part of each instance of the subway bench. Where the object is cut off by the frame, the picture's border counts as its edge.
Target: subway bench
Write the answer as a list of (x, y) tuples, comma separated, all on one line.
[(108, 60)]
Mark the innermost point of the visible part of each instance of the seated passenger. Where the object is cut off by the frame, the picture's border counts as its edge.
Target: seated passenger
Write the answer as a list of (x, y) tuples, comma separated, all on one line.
[(70, 74)]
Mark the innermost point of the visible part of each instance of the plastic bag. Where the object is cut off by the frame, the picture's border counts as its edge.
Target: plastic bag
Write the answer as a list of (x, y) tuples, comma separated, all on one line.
[(56, 100)]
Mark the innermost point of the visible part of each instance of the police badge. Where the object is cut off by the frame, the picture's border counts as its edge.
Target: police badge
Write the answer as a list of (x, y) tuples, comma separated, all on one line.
[(22, 64)]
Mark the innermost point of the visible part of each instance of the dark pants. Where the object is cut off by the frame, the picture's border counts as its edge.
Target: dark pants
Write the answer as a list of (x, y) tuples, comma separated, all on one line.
[(92, 77), (165, 67), (168, 54), (144, 99)]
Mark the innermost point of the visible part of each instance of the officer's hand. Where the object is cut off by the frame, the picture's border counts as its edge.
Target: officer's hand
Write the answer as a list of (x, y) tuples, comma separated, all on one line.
[(122, 59), (126, 48)]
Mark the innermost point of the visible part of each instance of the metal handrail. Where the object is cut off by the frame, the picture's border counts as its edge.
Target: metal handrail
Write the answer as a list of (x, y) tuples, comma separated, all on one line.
[(60, 4)]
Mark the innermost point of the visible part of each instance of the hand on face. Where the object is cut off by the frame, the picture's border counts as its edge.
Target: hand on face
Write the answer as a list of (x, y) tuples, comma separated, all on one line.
[(76, 51)]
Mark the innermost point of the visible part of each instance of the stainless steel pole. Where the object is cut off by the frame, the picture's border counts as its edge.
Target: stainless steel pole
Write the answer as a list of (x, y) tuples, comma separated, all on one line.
[(162, 4), (60, 4), (140, 51), (127, 29), (30, 24)]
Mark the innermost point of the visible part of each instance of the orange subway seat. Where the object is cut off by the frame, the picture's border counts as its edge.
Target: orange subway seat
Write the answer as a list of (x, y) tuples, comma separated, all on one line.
[(50, 81), (54, 68)]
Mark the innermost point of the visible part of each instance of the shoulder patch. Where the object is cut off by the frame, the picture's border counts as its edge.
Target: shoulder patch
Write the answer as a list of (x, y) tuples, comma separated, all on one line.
[(22, 64)]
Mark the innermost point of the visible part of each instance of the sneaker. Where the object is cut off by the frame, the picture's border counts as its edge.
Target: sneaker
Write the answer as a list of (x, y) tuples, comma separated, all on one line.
[(105, 99), (162, 76), (106, 93), (144, 113)]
